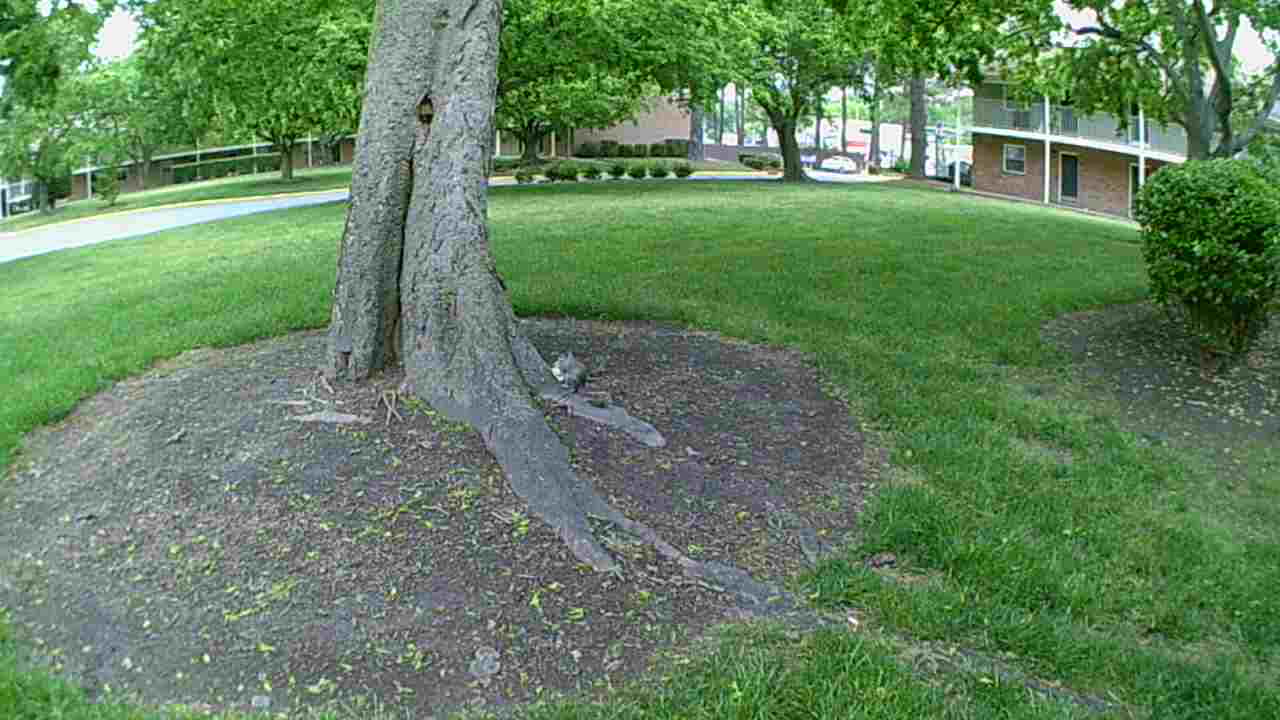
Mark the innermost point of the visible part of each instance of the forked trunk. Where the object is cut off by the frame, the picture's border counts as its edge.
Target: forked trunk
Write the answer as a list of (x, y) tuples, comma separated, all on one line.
[(416, 279)]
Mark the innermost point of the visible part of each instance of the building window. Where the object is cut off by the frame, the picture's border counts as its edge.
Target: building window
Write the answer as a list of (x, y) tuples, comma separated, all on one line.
[(1015, 159)]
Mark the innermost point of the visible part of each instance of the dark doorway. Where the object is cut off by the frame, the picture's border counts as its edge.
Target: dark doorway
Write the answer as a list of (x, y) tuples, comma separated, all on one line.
[(1070, 189)]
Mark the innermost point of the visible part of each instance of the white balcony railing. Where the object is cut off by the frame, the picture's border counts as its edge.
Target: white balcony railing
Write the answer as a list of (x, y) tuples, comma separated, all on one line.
[(1066, 122)]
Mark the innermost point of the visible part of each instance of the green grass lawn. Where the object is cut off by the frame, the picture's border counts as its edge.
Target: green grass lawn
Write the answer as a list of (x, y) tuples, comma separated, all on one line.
[(231, 187), (1132, 574)]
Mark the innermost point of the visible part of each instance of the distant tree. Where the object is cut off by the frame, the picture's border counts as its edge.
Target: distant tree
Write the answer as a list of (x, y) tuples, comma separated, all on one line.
[(45, 143), (801, 50), (41, 42), (129, 112), (280, 68)]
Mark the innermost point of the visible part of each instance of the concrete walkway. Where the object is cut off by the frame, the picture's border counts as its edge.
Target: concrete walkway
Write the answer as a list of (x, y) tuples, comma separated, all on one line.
[(94, 230)]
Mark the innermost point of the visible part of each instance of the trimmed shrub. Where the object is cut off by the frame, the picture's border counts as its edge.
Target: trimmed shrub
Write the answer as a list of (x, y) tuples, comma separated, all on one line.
[(589, 150), (1211, 242), (106, 185), (678, 148), (640, 151), (637, 171), (683, 170), (617, 170), (659, 170), (609, 148), (591, 171), (525, 175), (658, 150), (564, 170), (503, 165)]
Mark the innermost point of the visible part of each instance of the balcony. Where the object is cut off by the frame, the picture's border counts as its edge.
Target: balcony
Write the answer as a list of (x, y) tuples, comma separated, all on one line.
[(1065, 122)]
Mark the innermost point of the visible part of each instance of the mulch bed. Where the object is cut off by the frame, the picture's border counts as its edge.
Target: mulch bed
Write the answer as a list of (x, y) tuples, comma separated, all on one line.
[(184, 538)]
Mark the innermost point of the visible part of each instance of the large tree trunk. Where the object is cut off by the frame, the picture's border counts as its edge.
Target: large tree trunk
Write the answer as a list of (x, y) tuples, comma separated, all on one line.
[(697, 148), (817, 129), (416, 279), (919, 118)]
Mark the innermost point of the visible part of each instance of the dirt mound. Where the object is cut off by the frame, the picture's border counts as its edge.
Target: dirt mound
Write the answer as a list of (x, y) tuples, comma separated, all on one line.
[(206, 534)]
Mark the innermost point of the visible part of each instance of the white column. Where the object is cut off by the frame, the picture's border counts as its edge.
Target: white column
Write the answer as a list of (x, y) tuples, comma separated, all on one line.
[(88, 179), (310, 142), (959, 113), (1044, 128), (497, 142), (553, 143), (1142, 148)]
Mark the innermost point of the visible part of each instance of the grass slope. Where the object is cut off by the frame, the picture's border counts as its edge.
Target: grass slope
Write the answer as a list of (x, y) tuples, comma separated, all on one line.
[(225, 188), (1129, 573)]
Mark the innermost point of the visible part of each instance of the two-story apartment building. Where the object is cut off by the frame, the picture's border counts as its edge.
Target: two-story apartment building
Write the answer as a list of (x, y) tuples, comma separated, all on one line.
[(1047, 152)]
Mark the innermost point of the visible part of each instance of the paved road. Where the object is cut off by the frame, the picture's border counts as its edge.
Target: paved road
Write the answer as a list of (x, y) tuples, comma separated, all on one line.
[(91, 231)]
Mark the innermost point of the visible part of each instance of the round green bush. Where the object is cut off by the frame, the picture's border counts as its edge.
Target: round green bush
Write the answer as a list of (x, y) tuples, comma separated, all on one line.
[(683, 170), (637, 170), (525, 175), (1211, 242), (617, 170), (659, 170), (591, 171)]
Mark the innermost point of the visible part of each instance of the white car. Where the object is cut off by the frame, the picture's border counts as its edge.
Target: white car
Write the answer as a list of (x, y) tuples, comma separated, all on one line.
[(840, 164)]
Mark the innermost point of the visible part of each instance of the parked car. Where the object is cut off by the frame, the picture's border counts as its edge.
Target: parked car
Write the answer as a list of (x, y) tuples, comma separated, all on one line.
[(966, 173), (840, 164)]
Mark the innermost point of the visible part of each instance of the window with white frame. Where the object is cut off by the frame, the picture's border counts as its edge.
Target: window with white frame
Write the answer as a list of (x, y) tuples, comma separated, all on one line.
[(1015, 159)]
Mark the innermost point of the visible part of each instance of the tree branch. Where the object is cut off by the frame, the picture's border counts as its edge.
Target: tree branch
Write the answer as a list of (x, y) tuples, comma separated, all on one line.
[(1259, 120)]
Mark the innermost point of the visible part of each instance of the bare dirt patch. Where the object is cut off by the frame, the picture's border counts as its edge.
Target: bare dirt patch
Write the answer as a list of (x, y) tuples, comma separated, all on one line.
[(186, 537), (1151, 367)]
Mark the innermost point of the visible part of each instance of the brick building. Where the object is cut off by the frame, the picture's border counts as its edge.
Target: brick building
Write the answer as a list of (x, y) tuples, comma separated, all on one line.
[(1093, 162)]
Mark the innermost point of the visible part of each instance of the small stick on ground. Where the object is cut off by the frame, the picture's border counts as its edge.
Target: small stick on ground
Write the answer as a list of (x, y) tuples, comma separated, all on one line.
[(390, 399)]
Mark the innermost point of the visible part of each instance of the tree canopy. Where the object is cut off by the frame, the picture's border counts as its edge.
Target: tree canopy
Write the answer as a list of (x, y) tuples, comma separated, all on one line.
[(1177, 60)]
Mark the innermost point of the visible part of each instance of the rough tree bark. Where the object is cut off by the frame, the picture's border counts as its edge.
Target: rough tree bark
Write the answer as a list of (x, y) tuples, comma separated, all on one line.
[(416, 281), (919, 118)]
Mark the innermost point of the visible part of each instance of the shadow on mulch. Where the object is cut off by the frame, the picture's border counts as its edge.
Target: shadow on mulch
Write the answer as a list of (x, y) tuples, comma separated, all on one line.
[(1151, 367), (185, 538)]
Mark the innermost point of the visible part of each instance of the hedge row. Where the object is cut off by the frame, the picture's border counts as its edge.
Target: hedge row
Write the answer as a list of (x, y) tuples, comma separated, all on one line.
[(613, 149), (211, 169), (569, 171), (761, 161)]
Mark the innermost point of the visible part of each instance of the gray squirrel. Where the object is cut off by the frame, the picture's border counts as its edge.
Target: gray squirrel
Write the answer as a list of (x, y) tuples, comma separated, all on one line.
[(571, 373)]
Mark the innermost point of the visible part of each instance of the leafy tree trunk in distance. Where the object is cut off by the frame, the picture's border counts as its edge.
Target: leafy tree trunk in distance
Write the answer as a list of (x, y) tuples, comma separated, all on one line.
[(785, 126), (919, 118), (697, 148), (43, 198), (817, 128), (844, 120), (416, 280), (739, 103), (286, 158), (530, 142), (874, 150), (720, 120)]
